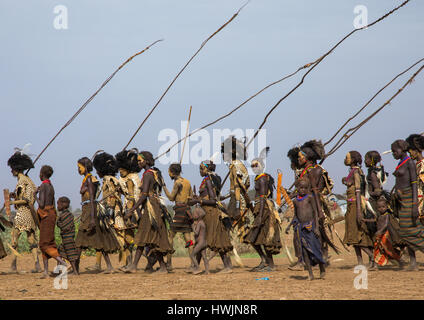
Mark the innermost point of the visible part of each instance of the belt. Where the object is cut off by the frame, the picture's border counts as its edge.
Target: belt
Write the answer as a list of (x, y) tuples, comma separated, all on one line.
[(86, 202)]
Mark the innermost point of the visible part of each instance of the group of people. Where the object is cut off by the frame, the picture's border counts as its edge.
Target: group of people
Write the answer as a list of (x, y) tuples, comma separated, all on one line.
[(127, 214)]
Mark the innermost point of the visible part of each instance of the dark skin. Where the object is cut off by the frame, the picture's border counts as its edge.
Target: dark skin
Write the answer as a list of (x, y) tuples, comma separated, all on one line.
[(317, 182), (148, 181), (208, 190), (105, 255), (91, 188), (382, 209), (359, 216), (13, 195), (261, 188), (374, 186), (46, 198), (61, 206), (405, 176), (417, 156), (306, 211), (199, 250), (88, 186), (316, 179), (16, 173)]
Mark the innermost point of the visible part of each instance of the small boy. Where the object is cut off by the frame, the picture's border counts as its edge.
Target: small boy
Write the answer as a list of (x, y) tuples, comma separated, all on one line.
[(65, 223), (47, 216), (199, 250), (387, 236), (307, 228)]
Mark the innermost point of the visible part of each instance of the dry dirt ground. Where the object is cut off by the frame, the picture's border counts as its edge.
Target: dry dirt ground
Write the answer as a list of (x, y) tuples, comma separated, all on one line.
[(283, 284)]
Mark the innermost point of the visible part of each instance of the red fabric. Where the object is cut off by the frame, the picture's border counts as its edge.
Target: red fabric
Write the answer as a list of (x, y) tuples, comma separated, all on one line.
[(47, 242), (402, 163), (142, 177), (46, 181), (383, 250)]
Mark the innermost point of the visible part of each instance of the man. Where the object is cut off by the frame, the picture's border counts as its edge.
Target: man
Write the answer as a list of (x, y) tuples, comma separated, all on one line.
[(25, 219), (182, 220), (47, 214)]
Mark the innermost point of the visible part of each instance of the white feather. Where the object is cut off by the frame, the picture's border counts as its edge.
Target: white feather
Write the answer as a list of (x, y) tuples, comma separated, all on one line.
[(214, 157), (24, 150)]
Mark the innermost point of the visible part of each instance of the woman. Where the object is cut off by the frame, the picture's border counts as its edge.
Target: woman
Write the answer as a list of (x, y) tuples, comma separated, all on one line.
[(90, 233), (415, 149), (406, 200), (217, 234), (152, 232), (322, 185), (264, 235), (356, 232), (376, 177), (130, 185)]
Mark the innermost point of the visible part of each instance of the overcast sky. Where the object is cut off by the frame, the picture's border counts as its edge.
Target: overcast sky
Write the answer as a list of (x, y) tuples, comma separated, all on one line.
[(46, 74)]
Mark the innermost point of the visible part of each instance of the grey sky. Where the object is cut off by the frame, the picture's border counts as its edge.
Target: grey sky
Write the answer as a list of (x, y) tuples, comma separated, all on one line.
[(46, 74)]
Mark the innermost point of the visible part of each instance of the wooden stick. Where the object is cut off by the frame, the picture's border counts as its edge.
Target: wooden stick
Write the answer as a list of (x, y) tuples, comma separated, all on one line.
[(316, 63), (91, 98), (185, 139), (181, 71)]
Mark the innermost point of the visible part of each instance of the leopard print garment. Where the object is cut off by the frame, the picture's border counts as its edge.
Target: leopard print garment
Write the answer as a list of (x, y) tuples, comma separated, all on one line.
[(137, 185), (25, 189), (111, 190)]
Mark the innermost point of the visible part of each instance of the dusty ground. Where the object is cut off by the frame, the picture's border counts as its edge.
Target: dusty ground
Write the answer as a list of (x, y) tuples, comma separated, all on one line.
[(388, 283)]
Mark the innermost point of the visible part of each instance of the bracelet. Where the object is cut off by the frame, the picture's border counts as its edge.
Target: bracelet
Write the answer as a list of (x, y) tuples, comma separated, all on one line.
[(414, 182)]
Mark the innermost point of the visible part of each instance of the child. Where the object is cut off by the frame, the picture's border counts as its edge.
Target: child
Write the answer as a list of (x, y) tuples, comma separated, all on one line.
[(65, 223), (387, 235), (199, 250), (306, 231), (47, 215)]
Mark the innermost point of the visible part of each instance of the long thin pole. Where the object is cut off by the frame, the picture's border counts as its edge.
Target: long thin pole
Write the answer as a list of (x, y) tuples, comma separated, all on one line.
[(181, 71), (185, 139), (91, 98)]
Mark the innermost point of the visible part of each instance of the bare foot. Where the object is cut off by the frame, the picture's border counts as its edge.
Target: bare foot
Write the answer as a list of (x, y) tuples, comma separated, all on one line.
[(322, 275), (96, 267), (226, 270), (130, 269), (311, 277), (12, 271), (258, 267), (197, 271), (267, 269), (162, 270), (412, 267), (37, 269), (296, 267), (109, 271), (44, 275), (372, 267)]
